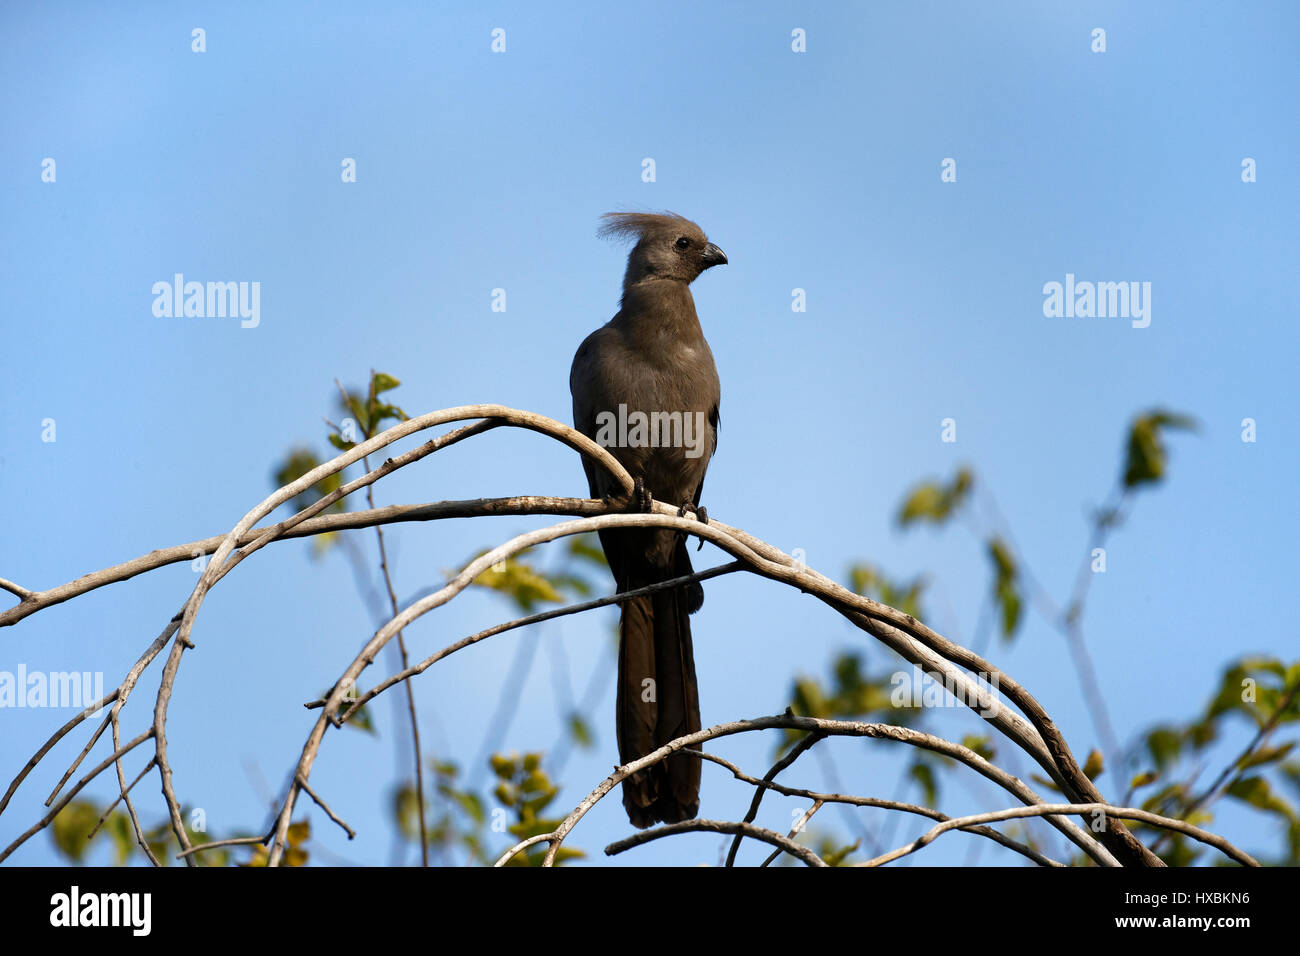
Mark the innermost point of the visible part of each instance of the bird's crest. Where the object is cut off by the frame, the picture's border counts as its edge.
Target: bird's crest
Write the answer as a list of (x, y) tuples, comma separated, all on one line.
[(634, 226)]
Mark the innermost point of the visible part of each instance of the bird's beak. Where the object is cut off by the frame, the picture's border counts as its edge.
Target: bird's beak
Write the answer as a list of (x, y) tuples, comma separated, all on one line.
[(713, 256)]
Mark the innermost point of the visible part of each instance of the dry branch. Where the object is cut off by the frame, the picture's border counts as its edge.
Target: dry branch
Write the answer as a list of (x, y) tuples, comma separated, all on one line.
[(1034, 732)]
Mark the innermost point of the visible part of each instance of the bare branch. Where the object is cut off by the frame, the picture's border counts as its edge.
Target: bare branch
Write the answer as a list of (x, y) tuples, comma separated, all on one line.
[(45, 820), (49, 745), (878, 803), (802, 747), (718, 826), (517, 505), (938, 657), (541, 616), (325, 806), (118, 799), (522, 845), (233, 841), (19, 592), (794, 831), (1098, 809), (904, 735)]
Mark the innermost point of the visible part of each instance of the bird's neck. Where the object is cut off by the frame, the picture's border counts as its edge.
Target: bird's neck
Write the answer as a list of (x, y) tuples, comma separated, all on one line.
[(657, 306)]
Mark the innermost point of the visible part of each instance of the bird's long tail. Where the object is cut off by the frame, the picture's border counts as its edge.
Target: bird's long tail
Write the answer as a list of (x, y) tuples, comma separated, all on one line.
[(658, 698)]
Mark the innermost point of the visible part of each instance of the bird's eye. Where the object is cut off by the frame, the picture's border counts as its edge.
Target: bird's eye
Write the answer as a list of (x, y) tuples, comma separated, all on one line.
[(683, 242)]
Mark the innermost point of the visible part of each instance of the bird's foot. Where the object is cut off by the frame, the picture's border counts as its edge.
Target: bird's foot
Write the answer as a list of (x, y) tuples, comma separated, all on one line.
[(641, 498), (701, 515), (640, 501), (701, 512)]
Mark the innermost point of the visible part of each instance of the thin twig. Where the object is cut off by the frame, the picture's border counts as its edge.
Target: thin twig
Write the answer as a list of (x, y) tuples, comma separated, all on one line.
[(233, 841), (401, 646), (794, 831), (537, 618), (328, 812), (19, 592), (49, 745), (802, 747), (54, 811)]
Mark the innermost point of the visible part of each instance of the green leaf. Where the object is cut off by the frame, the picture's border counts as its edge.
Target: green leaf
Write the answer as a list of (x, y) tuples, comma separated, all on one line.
[(923, 774), (1291, 774), (836, 857), (1003, 562), (406, 811), (1147, 457), (71, 827), (445, 769), (470, 803), (1009, 599), (118, 826), (1044, 782), (530, 828), (361, 719), (561, 855), (579, 731), (1165, 797), (572, 583), (809, 701), (1006, 591), (298, 833), (1257, 792), (525, 586), (358, 408), (1164, 744), (159, 841), (379, 413), (1094, 765), (587, 546), (380, 382), (961, 485), (926, 501), (299, 463), (933, 501), (1144, 779), (1266, 755), (1202, 733), (870, 582), (980, 744), (1270, 664), (1291, 679)]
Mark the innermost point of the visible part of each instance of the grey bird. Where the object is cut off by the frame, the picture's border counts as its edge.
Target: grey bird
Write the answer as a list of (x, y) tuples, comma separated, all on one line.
[(651, 360)]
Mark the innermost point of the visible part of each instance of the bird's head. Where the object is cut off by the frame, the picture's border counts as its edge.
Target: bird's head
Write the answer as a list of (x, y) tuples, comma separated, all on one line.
[(668, 246)]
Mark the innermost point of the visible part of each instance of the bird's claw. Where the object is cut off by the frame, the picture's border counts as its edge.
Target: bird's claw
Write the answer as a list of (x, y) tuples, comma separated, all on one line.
[(701, 515), (641, 498)]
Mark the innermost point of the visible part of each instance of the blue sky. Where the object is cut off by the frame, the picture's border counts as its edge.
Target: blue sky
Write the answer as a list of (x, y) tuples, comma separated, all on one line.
[(476, 170)]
